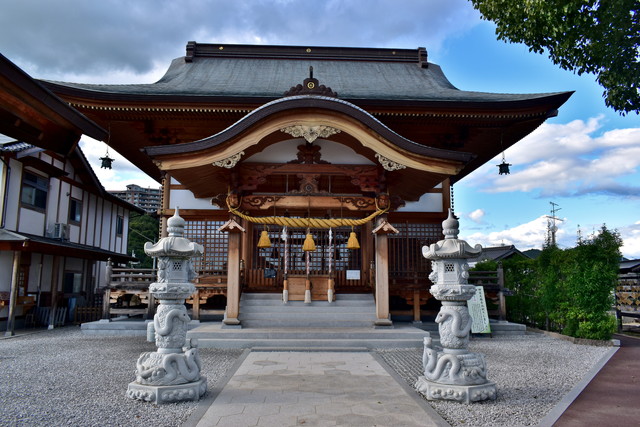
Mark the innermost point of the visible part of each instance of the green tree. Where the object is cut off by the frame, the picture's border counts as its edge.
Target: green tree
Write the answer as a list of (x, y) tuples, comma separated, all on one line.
[(583, 36), (142, 229), (592, 276)]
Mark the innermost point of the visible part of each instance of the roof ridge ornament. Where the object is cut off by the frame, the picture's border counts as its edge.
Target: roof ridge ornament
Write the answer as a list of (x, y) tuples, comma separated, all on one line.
[(311, 86)]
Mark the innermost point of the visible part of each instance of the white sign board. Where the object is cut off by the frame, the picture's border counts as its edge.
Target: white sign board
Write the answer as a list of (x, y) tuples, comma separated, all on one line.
[(479, 314), (353, 274)]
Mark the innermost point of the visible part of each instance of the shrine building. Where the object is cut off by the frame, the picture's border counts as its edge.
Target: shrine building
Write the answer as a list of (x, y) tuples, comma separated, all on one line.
[(309, 172)]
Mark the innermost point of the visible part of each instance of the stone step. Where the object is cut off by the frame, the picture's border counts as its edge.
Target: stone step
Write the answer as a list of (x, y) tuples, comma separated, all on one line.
[(279, 303), (216, 330), (278, 296), (305, 323), (307, 308), (309, 343), (213, 335), (268, 311), (497, 328)]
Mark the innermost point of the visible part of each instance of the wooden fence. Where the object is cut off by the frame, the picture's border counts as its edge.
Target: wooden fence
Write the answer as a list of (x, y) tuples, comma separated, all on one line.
[(627, 296)]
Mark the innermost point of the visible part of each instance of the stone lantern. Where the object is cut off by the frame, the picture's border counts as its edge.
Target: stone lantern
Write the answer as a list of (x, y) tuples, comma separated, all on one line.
[(452, 372), (172, 373)]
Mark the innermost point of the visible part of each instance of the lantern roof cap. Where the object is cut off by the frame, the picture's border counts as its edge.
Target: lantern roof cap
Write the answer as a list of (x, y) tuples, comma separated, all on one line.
[(451, 247), (175, 245)]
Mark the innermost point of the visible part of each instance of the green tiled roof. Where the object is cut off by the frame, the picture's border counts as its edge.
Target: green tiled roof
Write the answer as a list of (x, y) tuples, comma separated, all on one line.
[(250, 72)]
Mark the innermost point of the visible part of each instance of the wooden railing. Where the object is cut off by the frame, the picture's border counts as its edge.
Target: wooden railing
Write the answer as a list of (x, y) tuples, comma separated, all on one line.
[(127, 292)]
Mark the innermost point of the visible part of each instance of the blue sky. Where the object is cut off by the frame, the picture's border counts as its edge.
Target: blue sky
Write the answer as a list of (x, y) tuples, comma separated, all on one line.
[(586, 160)]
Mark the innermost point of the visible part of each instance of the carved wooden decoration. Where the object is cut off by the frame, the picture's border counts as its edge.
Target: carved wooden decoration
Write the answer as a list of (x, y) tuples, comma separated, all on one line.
[(310, 86), (310, 133), (230, 161), (389, 165)]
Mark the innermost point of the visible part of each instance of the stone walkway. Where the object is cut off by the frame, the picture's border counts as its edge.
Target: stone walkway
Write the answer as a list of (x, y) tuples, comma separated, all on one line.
[(279, 388)]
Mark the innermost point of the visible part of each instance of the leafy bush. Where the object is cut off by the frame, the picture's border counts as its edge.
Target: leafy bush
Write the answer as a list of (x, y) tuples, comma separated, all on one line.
[(568, 291)]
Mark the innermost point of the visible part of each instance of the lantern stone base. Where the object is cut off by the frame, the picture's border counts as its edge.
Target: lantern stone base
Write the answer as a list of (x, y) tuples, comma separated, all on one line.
[(167, 393), (459, 393)]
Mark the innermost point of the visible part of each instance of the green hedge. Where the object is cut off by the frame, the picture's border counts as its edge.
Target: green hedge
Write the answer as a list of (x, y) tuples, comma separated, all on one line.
[(568, 291)]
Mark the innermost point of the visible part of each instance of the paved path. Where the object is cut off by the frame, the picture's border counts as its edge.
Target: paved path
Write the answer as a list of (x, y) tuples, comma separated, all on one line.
[(315, 389), (612, 398)]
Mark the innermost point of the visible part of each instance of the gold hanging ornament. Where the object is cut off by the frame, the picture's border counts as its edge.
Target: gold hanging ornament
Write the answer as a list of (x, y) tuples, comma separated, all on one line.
[(352, 243), (264, 241), (309, 245)]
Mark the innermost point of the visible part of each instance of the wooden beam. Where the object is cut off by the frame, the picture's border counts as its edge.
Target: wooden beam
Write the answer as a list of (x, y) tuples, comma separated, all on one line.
[(13, 297)]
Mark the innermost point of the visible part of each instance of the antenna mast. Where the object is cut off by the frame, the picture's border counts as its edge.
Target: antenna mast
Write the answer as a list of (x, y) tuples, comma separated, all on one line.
[(551, 223)]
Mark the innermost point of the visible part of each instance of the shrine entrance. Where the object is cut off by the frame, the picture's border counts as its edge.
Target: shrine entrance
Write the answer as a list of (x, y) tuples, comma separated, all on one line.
[(330, 261)]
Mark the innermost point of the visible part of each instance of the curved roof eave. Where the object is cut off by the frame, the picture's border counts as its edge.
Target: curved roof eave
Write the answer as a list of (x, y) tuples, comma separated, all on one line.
[(453, 99), (308, 101)]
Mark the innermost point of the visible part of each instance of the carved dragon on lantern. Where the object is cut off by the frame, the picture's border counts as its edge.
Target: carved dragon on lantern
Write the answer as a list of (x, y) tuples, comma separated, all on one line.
[(162, 369), (447, 368)]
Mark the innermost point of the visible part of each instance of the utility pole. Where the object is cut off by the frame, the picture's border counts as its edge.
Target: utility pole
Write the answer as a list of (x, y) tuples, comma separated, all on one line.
[(551, 223)]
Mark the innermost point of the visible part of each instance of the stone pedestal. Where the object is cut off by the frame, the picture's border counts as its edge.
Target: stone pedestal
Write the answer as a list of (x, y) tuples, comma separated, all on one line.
[(172, 373), (452, 372)]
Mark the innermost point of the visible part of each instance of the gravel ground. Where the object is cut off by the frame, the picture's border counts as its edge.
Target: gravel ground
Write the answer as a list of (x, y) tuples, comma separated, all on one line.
[(532, 374), (63, 377)]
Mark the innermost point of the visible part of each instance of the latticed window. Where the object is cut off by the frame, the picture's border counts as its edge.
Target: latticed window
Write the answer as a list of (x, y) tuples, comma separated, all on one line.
[(216, 244), (337, 254), (405, 249)]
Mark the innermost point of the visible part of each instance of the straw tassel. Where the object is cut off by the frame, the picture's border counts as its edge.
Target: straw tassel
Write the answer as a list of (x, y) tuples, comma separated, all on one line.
[(309, 244), (352, 243), (264, 241)]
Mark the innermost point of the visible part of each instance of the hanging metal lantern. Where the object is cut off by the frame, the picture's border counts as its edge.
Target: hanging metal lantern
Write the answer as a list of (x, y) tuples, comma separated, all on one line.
[(503, 168), (106, 161)]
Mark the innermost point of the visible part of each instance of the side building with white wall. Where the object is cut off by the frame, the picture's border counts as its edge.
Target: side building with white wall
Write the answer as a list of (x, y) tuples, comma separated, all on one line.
[(58, 228), (58, 225)]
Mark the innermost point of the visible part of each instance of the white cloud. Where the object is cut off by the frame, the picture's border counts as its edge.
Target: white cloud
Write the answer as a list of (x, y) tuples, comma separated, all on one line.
[(79, 40), (631, 240), (477, 215), (531, 235), (123, 172), (568, 160)]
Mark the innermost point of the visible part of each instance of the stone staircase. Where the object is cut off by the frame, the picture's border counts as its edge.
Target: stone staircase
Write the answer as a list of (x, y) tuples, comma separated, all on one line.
[(268, 311), (345, 323)]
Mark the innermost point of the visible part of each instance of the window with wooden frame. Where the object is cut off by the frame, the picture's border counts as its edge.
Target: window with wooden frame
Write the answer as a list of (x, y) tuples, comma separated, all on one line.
[(213, 261), (405, 249), (34, 191), (119, 225), (75, 211)]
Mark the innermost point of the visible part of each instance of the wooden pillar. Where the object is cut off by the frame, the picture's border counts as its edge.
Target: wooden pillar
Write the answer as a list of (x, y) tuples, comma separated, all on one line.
[(233, 272), (13, 298), (196, 305), (416, 306), (151, 306), (501, 300), (55, 273), (106, 298), (382, 271)]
